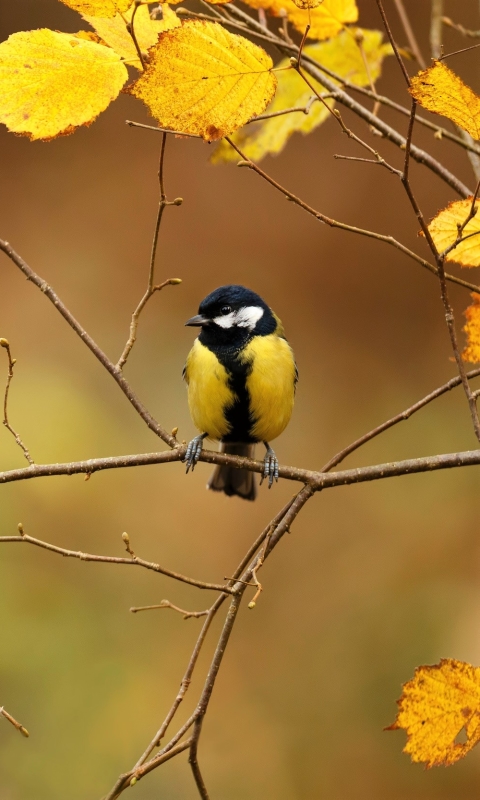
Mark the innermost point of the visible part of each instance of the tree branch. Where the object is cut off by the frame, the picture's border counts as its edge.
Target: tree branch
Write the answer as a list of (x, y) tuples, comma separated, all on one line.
[(130, 562), (246, 162), (91, 344)]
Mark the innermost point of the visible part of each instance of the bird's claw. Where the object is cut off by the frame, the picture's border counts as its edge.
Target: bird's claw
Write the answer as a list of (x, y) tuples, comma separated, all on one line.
[(193, 451), (270, 467)]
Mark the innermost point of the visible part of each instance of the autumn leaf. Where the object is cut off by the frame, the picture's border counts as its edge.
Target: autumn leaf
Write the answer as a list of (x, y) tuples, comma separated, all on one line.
[(51, 83), (99, 8), (203, 80), (342, 55), (472, 330), (440, 90), (114, 31), (444, 230), (325, 21), (438, 703), (270, 136)]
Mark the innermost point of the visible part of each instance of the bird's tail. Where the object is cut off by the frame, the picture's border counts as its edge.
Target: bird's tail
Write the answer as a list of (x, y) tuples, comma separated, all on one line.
[(233, 481)]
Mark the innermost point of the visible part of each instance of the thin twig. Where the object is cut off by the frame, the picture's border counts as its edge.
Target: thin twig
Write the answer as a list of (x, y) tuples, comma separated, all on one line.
[(319, 73), (404, 415), (246, 162), (457, 52), (90, 343), (393, 42), (14, 722), (412, 40), (11, 363), (439, 258), (151, 286), (129, 562), (457, 27), (168, 604), (351, 135), (133, 124), (131, 30)]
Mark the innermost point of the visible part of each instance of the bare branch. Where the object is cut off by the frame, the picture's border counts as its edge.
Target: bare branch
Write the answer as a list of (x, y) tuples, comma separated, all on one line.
[(151, 287), (464, 31), (412, 40), (318, 72), (91, 344), (11, 363), (246, 162), (130, 562), (404, 415), (439, 258)]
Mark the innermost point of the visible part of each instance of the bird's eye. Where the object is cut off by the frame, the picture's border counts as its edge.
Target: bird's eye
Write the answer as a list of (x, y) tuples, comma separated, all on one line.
[(225, 310)]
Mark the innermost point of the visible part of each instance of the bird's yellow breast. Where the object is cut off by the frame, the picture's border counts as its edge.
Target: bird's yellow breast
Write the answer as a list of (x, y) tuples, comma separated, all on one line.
[(270, 384), (268, 369), (208, 391)]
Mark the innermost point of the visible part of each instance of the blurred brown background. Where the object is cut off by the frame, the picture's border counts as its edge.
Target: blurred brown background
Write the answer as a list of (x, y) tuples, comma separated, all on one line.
[(373, 581)]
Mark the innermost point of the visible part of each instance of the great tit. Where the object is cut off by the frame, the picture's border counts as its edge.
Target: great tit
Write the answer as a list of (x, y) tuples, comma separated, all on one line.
[(241, 377)]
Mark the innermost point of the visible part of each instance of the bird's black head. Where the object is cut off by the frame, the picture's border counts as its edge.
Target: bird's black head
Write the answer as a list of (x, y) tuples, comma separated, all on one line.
[(231, 315)]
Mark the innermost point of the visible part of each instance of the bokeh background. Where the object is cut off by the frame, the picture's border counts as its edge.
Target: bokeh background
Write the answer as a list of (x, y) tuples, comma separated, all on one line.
[(373, 581)]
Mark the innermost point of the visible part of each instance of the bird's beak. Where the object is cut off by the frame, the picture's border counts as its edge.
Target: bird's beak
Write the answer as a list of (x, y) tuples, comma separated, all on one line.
[(197, 321)]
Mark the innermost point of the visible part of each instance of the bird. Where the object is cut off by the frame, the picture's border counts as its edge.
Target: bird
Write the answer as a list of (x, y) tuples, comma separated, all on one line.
[(241, 376)]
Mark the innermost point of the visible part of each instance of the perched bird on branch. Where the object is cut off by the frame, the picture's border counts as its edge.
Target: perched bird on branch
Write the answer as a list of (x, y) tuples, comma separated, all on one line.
[(241, 377)]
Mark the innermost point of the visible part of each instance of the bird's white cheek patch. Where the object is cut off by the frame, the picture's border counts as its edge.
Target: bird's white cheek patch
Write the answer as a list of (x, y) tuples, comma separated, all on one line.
[(248, 317), (225, 321)]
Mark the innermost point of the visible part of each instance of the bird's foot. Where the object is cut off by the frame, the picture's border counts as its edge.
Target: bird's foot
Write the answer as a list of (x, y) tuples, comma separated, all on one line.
[(193, 451), (270, 466)]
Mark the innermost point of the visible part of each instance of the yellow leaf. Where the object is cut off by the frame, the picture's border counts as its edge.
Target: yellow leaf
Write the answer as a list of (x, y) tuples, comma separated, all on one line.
[(114, 31), (99, 8), (472, 329), (439, 90), (435, 706), (271, 135), (444, 230), (326, 21), (51, 83), (342, 55), (203, 80)]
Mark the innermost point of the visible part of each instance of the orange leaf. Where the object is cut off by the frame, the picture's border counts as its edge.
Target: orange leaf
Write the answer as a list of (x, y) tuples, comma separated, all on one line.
[(472, 329), (444, 229), (436, 705), (440, 90)]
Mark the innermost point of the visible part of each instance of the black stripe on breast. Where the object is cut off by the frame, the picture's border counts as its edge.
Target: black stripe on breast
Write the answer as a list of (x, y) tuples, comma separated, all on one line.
[(238, 415)]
